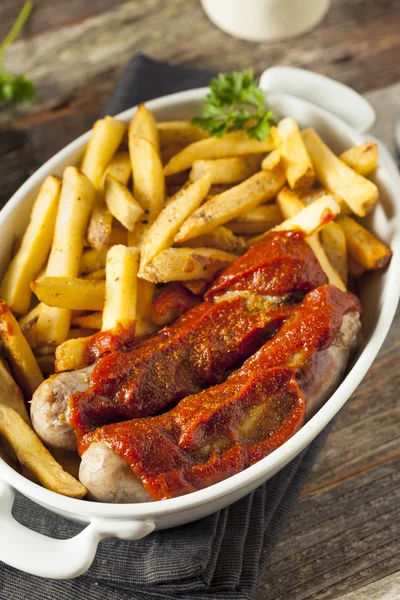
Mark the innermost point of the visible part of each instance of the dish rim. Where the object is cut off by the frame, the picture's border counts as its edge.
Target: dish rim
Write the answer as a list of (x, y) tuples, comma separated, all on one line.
[(282, 455)]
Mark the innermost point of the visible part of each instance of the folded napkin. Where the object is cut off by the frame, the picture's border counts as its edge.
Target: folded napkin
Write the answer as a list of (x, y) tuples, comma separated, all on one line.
[(218, 557)]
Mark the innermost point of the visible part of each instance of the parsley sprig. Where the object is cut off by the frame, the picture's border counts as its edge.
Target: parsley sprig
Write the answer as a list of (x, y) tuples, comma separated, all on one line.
[(15, 88), (235, 102)]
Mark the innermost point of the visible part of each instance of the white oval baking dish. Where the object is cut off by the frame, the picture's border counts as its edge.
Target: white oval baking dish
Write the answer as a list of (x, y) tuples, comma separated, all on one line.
[(61, 559)]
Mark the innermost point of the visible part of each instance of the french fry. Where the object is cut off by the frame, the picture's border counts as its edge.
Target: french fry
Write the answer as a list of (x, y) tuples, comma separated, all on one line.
[(309, 196), (236, 143), (227, 170), (31, 452), (145, 294), (310, 220), (106, 136), (230, 204), (11, 395), (72, 354), (334, 243), (18, 352), (162, 232), (44, 350), (179, 132), (291, 206), (70, 293), (272, 161), (221, 238), (359, 193), (100, 225), (121, 287), (297, 164), (120, 168), (364, 247), (143, 125), (34, 249), (121, 204), (257, 220), (93, 321), (76, 202), (149, 184), (362, 159), (184, 264), (93, 260)]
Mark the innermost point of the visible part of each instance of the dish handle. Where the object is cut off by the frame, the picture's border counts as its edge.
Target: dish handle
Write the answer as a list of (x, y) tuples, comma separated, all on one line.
[(40, 555), (335, 97)]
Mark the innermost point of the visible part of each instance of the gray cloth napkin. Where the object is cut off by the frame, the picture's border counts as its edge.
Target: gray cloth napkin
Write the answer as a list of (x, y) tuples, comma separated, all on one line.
[(218, 557)]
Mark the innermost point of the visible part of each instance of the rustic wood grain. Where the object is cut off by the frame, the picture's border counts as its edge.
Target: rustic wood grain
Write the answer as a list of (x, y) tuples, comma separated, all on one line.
[(342, 540), (357, 43)]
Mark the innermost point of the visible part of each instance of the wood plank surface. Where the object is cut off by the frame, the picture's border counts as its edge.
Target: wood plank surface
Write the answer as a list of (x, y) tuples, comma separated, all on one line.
[(342, 540)]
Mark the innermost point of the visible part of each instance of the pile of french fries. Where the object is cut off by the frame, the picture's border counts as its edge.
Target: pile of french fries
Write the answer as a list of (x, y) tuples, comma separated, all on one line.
[(154, 203)]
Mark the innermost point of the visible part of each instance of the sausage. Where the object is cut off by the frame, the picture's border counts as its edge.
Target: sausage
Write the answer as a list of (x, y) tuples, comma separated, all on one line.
[(248, 306), (49, 407), (317, 382)]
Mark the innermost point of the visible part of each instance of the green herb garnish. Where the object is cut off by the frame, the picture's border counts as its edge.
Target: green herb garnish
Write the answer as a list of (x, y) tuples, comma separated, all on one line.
[(15, 88), (235, 102)]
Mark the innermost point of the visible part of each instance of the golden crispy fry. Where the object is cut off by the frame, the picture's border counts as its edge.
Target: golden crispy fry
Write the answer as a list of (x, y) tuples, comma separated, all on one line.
[(148, 186), (368, 251), (291, 206), (120, 168), (31, 452), (76, 202), (69, 460), (221, 238), (11, 395), (236, 143), (93, 260), (162, 232), (230, 204), (362, 159), (257, 220), (310, 220), (70, 293), (359, 193), (334, 243), (18, 352), (92, 321), (143, 125), (179, 132), (121, 287), (100, 225), (272, 161), (309, 196), (145, 294), (227, 170), (36, 243), (296, 161), (354, 268), (106, 136), (184, 264), (121, 204), (72, 354)]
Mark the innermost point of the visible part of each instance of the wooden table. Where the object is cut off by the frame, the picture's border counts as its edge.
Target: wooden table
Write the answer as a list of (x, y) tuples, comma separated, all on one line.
[(343, 538)]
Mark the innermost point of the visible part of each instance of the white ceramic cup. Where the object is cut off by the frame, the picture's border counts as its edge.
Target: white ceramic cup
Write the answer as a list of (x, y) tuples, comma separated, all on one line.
[(258, 20)]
